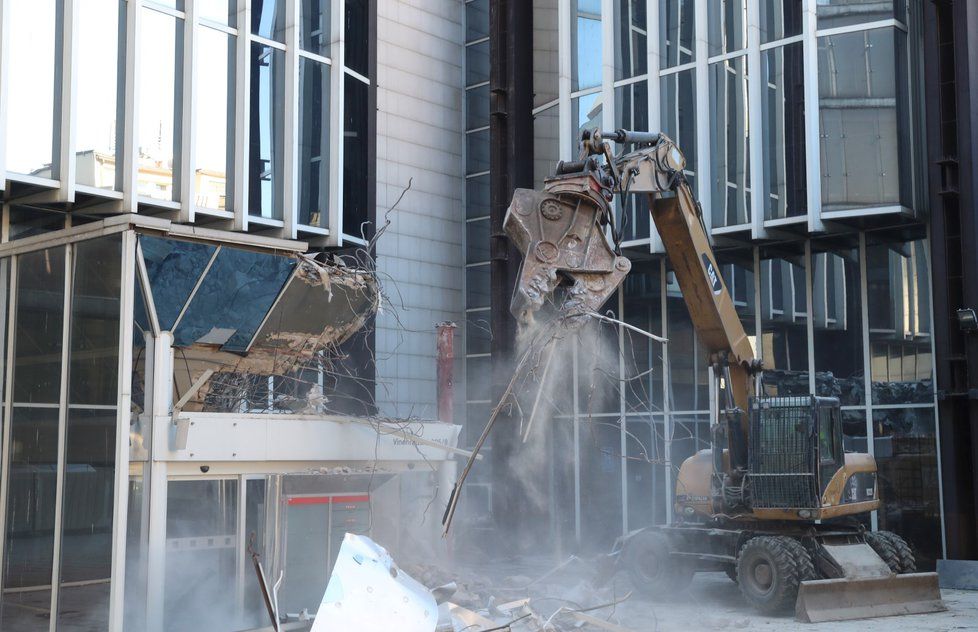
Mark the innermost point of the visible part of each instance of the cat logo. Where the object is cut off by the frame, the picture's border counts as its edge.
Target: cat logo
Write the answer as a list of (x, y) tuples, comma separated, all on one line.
[(712, 275)]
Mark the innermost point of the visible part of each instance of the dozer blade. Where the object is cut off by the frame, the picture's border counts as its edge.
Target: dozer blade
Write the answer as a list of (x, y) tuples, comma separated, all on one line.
[(845, 599)]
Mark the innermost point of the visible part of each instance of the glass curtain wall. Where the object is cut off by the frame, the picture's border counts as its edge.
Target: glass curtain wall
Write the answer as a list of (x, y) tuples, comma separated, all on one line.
[(62, 397)]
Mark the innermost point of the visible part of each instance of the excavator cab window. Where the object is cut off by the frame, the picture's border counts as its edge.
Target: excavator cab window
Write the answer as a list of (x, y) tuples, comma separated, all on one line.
[(830, 452)]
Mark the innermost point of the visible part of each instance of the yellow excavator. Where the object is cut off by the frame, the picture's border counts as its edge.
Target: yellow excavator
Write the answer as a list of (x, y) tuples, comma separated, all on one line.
[(775, 501)]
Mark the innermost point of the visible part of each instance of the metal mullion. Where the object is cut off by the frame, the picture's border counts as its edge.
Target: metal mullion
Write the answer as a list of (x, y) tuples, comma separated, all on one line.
[(162, 8), (537, 109), (586, 92), (66, 100), (193, 292), (477, 174), (577, 445), (703, 142), (188, 117), (862, 26), (241, 541), (150, 303), (242, 92), (867, 360), (290, 167), (4, 80), (810, 316), (566, 142), (356, 75), (813, 171), (66, 324), (313, 56), (937, 411), (277, 45), (130, 145), (782, 42), (629, 81), (743, 52), (666, 391), (120, 515), (622, 423), (484, 128), (217, 26), (755, 91), (336, 124), (7, 412), (476, 41), (674, 70)]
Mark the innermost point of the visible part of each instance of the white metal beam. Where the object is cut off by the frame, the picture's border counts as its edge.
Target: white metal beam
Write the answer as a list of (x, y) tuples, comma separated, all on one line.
[(129, 153), (11, 318), (755, 93), (703, 167), (813, 169), (242, 126), (290, 167), (188, 117), (336, 136), (4, 89), (67, 97)]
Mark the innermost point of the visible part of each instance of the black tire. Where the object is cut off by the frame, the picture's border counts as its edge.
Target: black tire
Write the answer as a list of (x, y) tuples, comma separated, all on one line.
[(769, 571), (907, 561), (885, 548), (731, 572), (653, 571)]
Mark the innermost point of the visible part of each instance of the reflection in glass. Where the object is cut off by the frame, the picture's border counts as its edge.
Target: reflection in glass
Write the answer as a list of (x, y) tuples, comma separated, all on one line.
[(218, 10), (256, 511), (901, 362), (97, 82), (173, 268), (356, 46), (632, 112), (688, 386), (314, 26), (834, 13), (477, 19), (838, 338), (214, 108), (313, 143), (728, 25), (233, 299), (266, 133), (631, 48), (739, 279), (477, 196), (783, 103), (677, 20), (545, 56), (29, 540), (38, 330), (678, 112), (586, 44), (95, 311), (477, 151), (477, 63), (355, 157), (27, 221), (905, 447), (268, 19), (87, 513), (161, 42), (546, 144), (201, 554), (780, 19), (476, 286), (730, 142), (784, 333), (586, 114), (31, 137), (864, 119)]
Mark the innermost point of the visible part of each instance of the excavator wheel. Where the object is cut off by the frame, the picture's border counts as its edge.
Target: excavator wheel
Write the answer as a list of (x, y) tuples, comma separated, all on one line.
[(731, 572), (653, 571), (769, 571), (894, 550)]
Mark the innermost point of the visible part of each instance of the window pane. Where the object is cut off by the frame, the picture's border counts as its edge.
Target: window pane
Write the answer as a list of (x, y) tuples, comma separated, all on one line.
[(545, 57), (268, 19), (643, 309), (688, 388), (585, 114), (476, 63), (314, 34), (478, 333), (477, 196), (837, 318), (728, 25), (899, 323), (730, 142), (833, 13), (477, 151), (94, 350), (88, 509), (678, 112), (477, 241), (313, 143), (477, 287), (782, 70), (98, 80), (40, 315), (215, 115), (30, 119), (173, 268), (266, 133), (905, 447), (355, 154), (218, 10), (586, 46), (477, 20), (160, 49), (29, 541), (477, 107), (631, 49), (784, 333), (677, 19), (546, 145), (863, 114), (357, 46), (27, 221), (232, 301), (779, 19)]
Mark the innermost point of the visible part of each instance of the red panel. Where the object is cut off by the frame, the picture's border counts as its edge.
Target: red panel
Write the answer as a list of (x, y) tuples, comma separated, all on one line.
[(325, 500)]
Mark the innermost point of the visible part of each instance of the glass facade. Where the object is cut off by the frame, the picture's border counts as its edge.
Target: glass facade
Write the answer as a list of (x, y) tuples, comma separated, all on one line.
[(242, 111), (846, 316)]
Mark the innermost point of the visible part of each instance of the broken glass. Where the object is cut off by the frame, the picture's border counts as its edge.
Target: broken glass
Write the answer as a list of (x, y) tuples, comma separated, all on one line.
[(173, 268)]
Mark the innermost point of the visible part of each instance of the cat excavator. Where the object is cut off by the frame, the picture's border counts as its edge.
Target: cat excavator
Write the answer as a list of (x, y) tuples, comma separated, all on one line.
[(775, 501)]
